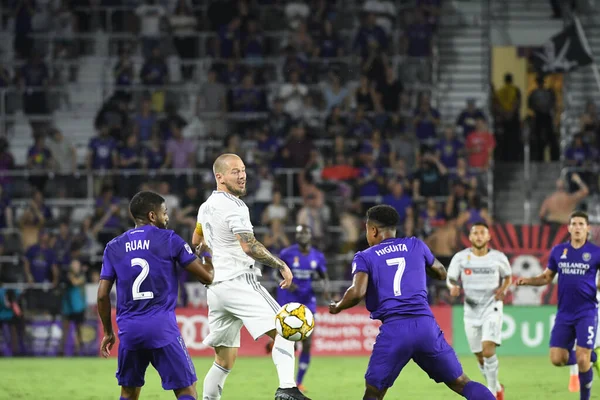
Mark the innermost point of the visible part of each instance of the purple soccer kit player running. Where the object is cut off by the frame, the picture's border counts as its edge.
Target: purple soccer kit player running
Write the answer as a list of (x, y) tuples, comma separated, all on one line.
[(307, 264), (576, 262), (390, 274), (144, 263)]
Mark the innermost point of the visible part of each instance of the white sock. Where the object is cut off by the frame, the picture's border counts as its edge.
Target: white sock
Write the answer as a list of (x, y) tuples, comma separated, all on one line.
[(574, 370), (490, 365), (284, 360), (214, 382)]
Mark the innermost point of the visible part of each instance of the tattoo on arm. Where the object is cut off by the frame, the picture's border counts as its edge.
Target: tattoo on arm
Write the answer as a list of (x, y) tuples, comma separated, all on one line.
[(259, 252), (437, 270)]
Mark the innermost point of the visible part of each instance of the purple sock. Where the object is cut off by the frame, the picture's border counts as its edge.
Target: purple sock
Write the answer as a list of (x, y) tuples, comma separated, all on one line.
[(594, 357), (476, 391), (186, 397), (122, 398), (572, 358), (302, 366), (585, 384)]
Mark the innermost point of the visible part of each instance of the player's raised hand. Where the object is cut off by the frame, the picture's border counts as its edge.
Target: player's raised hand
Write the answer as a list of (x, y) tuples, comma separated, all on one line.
[(286, 273), (455, 291), (108, 342)]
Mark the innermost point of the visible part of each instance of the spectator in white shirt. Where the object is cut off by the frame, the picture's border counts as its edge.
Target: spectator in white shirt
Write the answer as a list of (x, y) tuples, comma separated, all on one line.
[(150, 16), (292, 94)]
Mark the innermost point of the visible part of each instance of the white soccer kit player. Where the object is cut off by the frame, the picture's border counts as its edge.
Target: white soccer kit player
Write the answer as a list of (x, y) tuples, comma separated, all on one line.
[(480, 278), (235, 297)]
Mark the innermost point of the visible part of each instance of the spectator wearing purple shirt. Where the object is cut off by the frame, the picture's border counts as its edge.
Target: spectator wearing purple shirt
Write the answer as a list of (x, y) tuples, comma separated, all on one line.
[(102, 152), (449, 148), (130, 157), (145, 122), (39, 262), (330, 46), (418, 40), (39, 160), (104, 202), (403, 204), (254, 45), (229, 39), (232, 74), (370, 35), (577, 154), (181, 154), (248, 98), (124, 75), (376, 148), (154, 156), (360, 127), (155, 72), (370, 181), (466, 121), (426, 120)]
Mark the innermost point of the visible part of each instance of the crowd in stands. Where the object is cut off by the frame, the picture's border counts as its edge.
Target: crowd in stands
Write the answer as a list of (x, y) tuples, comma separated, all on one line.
[(343, 119)]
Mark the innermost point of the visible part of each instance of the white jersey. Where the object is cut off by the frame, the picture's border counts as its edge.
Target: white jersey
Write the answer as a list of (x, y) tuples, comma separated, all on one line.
[(480, 278), (222, 216)]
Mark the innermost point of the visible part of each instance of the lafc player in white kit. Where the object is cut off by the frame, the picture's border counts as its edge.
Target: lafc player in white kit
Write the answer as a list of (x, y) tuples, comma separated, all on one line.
[(485, 275), (235, 297)]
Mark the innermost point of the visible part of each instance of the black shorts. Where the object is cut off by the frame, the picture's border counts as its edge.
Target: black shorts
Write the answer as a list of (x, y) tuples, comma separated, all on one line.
[(78, 318)]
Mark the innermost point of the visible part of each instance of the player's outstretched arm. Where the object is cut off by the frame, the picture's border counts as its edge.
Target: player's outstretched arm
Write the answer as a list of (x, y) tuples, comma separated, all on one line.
[(104, 311), (540, 280), (437, 270), (354, 294), (255, 249)]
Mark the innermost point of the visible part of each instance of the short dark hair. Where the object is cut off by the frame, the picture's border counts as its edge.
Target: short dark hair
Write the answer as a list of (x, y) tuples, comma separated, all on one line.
[(480, 223), (580, 214), (144, 202), (384, 216)]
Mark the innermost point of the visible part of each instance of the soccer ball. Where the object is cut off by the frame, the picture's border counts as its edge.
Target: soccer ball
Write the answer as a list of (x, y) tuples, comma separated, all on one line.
[(294, 322)]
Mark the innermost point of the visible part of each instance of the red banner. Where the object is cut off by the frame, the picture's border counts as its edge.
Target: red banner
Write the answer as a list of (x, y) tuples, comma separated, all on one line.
[(349, 333)]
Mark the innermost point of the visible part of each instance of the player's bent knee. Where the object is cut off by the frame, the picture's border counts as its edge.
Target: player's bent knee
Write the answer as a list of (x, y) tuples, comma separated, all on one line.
[(459, 383), (489, 350), (225, 356), (583, 359), (130, 393), (559, 357), (372, 393), (189, 391)]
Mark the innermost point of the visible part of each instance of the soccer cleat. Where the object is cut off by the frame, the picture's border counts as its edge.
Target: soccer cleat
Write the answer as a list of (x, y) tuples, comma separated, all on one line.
[(500, 394), (289, 394), (301, 387), (574, 384)]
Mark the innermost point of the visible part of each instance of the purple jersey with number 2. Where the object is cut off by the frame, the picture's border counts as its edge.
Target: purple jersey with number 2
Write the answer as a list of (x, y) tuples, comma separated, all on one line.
[(397, 295), (144, 263)]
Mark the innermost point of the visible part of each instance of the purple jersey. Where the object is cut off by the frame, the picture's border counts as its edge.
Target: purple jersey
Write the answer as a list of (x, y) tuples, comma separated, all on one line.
[(576, 270), (144, 262), (304, 267), (397, 281)]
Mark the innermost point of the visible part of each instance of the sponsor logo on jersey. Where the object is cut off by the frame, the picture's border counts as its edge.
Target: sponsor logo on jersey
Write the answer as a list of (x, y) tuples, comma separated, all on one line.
[(480, 271), (564, 254), (313, 264), (587, 256), (573, 268), (468, 271)]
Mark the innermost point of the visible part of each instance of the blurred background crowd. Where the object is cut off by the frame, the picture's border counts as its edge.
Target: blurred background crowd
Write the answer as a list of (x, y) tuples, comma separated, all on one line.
[(329, 103)]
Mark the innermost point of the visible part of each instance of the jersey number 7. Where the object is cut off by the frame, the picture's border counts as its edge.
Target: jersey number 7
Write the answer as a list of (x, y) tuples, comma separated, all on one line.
[(400, 264)]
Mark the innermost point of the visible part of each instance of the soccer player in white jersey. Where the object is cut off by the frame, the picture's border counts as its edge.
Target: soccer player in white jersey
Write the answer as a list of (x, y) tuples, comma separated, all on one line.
[(485, 275), (235, 297)]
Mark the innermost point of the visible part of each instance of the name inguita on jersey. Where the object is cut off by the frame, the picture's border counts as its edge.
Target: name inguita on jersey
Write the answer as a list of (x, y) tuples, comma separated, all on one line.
[(392, 248), (573, 268)]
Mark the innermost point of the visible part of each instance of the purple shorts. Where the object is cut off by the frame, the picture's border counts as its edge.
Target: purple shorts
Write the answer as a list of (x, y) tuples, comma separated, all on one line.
[(417, 338), (564, 333), (172, 362)]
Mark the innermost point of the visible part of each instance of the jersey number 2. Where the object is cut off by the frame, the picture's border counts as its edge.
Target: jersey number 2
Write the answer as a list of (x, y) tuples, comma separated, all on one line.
[(135, 290), (400, 264)]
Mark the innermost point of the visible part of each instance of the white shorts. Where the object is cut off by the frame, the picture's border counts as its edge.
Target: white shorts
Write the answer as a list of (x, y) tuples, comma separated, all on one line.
[(489, 330), (236, 302)]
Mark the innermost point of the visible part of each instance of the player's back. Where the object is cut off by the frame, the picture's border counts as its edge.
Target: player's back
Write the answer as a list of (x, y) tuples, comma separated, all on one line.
[(397, 277), (147, 286), (222, 216)]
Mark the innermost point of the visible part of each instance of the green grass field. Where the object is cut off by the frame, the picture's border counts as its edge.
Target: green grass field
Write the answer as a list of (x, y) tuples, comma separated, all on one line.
[(525, 378)]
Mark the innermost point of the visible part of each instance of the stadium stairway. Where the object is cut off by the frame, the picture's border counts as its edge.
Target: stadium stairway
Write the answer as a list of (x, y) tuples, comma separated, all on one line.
[(463, 58), (510, 188)]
